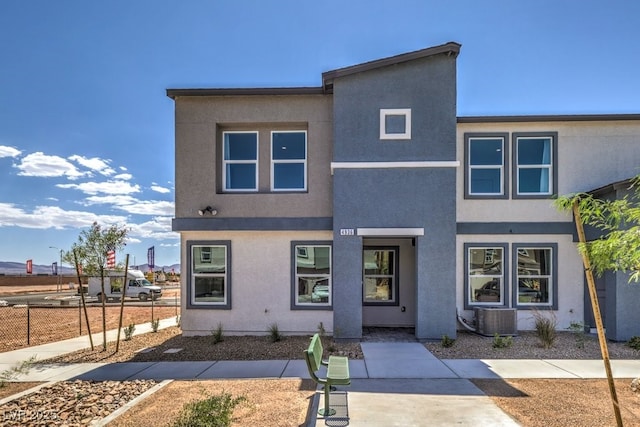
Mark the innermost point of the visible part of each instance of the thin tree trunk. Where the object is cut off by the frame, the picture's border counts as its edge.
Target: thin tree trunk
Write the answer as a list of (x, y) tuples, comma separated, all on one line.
[(596, 314), (84, 304)]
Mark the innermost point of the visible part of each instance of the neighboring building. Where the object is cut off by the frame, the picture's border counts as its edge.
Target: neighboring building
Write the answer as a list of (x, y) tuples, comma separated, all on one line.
[(367, 202)]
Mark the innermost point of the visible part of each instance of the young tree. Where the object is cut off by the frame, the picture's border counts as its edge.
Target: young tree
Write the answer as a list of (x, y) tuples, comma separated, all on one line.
[(91, 249), (617, 249)]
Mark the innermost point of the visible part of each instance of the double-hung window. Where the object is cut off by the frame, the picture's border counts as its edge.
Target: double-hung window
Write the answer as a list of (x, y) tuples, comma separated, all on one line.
[(240, 161), (534, 164), (486, 165), (535, 275), (380, 275), (311, 275), (289, 160), (485, 267), (209, 275)]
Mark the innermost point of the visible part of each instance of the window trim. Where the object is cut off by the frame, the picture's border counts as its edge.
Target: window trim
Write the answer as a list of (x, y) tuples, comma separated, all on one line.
[(191, 304), (553, 166), (468, 304), (505, 164), (384, 112), (295, 305), (553, 277), (289, 161), (396, 276), (226, 162)]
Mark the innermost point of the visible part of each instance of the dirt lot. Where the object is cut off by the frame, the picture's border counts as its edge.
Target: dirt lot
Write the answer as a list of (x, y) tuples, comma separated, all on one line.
[(21, 327)]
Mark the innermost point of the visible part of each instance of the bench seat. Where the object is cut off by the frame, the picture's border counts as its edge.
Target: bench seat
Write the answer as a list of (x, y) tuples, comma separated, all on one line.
[(337, 371)]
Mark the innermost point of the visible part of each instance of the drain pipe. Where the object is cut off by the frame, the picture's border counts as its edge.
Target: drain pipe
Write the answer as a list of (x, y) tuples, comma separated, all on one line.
[(464, 322)]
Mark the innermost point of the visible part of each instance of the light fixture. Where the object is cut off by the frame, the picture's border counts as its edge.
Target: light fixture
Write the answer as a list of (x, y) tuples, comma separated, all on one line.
[(208, 210)]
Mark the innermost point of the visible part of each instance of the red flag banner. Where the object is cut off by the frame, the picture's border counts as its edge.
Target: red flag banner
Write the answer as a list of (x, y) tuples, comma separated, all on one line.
[(29, 266), (111, 259)]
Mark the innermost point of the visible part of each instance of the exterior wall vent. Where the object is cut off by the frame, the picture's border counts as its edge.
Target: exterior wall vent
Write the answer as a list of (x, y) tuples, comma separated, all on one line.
[(491, 321)]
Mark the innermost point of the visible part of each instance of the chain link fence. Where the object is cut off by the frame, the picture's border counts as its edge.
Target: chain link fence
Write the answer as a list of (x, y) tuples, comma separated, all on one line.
[(28, 325)]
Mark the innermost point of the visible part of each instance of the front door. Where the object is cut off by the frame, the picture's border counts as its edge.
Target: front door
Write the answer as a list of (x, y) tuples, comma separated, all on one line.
[(388, 283)]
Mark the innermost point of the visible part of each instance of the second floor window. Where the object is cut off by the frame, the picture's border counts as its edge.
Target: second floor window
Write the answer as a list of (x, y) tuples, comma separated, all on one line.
[(486, 166), (289, 160), (240, 161), (534, 165)]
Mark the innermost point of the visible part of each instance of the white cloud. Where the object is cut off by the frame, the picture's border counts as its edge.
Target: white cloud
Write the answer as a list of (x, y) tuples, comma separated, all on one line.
[(42, 165), (123, 176), (44, 217), (132, 205), (157, 228), (159, 189), (107, 187), (96, 164), (9, 151)]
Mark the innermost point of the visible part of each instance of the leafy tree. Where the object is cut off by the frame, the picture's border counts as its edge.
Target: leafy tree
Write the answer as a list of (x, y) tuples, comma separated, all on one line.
[(617, 249), (619, 222), (91, 250)]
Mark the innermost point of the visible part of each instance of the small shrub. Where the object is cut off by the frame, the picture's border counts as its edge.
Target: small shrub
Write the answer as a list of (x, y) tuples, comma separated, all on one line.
[(502, 342), (213, 411), (274, 333), (634, 343), (577, 328), (217, 334), (447, 342), (13, 372), (546, 328), (128, 331), (155, 324)]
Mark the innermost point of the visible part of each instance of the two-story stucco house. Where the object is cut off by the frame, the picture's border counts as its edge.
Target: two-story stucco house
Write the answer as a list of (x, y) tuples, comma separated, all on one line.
[(368, 202)]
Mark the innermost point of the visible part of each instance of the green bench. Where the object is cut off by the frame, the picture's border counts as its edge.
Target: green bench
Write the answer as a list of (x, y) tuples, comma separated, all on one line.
[(337, 371)]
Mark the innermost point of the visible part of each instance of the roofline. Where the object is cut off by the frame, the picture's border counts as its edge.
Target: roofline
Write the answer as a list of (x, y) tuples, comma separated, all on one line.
[(450, 49), (549, 118), (174, 93), (610, 188)]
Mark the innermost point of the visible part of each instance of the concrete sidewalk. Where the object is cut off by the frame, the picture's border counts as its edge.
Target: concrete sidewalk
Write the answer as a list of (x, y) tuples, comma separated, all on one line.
[(395, 384)]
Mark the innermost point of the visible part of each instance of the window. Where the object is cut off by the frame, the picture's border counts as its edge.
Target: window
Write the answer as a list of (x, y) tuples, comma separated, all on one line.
[(311, 275), (535, 275), (534, 159), (380, 276), (289, 160), (486, 165), (209, 282), (395, 123), (485, 266), (240, 161)]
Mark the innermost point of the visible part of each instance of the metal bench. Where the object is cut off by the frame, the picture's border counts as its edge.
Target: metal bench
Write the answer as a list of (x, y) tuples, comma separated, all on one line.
[(337, 371)]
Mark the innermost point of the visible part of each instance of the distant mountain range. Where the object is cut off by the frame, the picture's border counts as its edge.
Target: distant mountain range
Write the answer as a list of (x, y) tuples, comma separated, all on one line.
[(13, 268)]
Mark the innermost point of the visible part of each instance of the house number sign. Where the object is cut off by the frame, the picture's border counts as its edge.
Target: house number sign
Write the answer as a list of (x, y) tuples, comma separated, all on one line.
[(347, 232)]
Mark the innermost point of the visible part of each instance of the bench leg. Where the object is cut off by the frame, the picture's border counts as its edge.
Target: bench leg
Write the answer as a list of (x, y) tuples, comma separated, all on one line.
[(326, 411)]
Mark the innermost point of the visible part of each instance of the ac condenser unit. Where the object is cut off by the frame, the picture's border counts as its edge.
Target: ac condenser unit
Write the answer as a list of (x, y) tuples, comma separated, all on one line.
[(491, 321)]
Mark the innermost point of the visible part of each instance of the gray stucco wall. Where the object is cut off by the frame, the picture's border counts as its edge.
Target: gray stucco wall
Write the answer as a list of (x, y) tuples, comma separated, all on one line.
[(401, 197)]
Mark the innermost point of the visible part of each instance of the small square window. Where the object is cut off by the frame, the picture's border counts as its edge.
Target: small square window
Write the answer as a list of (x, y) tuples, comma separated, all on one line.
[(395, 123)]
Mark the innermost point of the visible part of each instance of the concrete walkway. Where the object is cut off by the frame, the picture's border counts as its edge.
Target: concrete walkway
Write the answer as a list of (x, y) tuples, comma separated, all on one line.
[(397, 384)]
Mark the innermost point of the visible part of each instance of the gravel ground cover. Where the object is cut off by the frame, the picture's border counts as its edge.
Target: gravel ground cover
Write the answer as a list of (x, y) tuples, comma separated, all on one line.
[(554, 403)]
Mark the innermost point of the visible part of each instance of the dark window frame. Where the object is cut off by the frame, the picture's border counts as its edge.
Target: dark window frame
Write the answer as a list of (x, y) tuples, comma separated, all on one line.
[(505, 164), (554, 276), (468, 304), (191, 304), (553, 176), (294, 305)]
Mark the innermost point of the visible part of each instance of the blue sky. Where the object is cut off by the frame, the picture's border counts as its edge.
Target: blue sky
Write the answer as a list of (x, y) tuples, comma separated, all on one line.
[(86, 130)]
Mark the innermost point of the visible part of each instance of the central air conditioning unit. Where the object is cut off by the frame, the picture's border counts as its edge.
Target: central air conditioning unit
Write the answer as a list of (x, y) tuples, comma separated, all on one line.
[(492, 321)]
